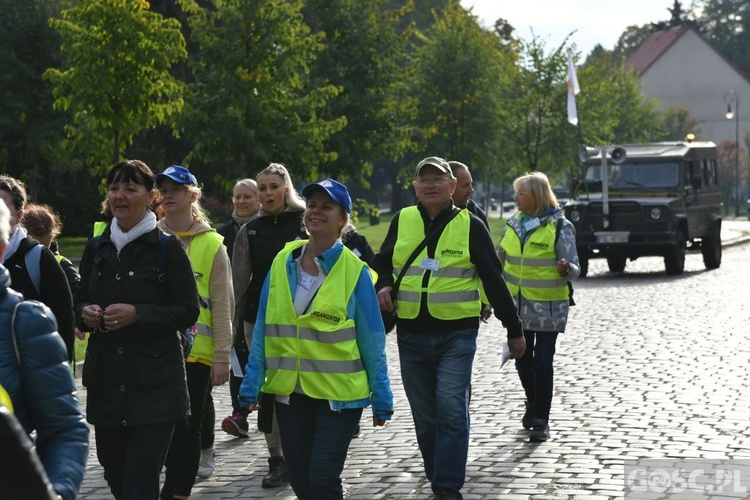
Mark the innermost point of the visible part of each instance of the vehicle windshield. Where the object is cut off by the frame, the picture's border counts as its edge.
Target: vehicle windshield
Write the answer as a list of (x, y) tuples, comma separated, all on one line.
[(637, 175)]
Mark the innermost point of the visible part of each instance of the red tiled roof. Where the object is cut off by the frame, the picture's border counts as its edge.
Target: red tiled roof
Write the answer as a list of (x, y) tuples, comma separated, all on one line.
[(653, 48)]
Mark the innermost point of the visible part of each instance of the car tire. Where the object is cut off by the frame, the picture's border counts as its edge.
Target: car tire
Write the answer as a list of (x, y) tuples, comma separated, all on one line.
[(583, 261), (711, 247), (674, 257), (616, 261)]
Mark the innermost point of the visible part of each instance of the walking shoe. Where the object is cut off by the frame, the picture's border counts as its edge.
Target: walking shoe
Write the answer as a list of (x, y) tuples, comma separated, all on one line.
[(207, 465), (236, 425), (540, 432), (276, 473), (528, 417), (447, 494)]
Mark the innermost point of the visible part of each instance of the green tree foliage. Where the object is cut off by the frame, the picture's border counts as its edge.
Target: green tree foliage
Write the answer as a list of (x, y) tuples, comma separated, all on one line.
[(252, 101), (29, 128), (115, 81), (726, 24), (366, 57), (677, 123), (463, 85)]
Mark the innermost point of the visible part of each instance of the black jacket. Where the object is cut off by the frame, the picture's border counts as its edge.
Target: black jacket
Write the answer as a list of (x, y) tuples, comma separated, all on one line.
[(483, 256), (54, 290), (229, 232), (267, 235), (136, 375), (357, 243)]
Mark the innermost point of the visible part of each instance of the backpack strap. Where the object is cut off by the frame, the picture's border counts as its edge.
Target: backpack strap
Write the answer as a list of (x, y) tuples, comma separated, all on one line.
[(32, 259)]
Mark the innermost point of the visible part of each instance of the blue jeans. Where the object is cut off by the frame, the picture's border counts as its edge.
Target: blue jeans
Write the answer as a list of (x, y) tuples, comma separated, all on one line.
[(315, 440), (536, 372), (436, 373)]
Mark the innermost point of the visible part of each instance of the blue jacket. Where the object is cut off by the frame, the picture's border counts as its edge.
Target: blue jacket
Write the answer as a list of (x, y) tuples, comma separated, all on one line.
[(363, 308), (42, 388)]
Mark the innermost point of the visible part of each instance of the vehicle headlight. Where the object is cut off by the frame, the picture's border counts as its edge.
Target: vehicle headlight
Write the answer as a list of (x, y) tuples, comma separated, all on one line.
[(656, 213), (575, 215)]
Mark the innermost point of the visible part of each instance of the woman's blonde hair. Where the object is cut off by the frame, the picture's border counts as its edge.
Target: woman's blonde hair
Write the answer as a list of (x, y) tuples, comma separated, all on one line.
[(537, 185), (196, 208), (291, 197)]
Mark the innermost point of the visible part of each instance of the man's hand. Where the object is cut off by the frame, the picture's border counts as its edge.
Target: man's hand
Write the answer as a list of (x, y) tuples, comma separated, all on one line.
[(384, 299), (517, 347), (486, 313), (377, 422)]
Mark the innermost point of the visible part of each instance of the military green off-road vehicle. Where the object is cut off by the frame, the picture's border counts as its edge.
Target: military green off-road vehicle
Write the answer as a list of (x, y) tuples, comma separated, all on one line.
[(661, 199)]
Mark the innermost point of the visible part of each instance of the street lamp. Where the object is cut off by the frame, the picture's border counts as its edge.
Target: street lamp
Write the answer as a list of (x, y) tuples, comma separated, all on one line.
[(732, 98)]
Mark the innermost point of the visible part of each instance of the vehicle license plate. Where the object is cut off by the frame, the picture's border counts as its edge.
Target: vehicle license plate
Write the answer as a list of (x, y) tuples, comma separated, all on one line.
[(612, 237)]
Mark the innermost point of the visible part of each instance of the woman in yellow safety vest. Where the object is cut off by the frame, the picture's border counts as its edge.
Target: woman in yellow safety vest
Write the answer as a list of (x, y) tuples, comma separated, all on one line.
[(207, 363), (539, 257), (319, 346)]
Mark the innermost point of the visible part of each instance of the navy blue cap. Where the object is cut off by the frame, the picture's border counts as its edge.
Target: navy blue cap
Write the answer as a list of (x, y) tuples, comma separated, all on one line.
[(179, 174), (335, 190)]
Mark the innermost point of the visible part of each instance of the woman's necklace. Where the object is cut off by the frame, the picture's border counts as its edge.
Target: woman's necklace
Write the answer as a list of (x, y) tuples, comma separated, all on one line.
[(307, 265)]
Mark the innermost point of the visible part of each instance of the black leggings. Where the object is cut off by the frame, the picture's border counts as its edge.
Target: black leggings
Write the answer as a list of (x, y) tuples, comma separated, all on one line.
[(132, 458)]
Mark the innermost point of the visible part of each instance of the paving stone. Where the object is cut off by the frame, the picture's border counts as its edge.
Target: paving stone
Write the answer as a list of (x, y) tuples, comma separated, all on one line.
[(635, 377)]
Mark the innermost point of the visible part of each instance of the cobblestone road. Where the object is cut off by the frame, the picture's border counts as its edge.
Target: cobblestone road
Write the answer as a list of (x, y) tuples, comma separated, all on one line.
[(652, 366)]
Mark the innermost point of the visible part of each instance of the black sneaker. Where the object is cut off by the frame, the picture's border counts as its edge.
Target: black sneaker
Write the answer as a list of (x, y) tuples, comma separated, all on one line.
[(276, 473), (540, 431), (528, 417), (447, 494)]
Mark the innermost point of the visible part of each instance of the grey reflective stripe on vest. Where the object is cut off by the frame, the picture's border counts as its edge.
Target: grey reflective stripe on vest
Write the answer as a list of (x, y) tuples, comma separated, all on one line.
[(315, 365), (455, 272), (450, 297), (532, 283), (527, 262), (281, 363), (281, 331), (323, 366), (328, 337), (202, 329), (440, 297), (412, 271)]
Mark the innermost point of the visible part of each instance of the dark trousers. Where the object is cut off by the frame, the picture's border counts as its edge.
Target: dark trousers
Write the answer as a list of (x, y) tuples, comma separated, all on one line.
[(132, 458), (185, 450), (536, 372), (240, 347), (209, 418), (315, 440)]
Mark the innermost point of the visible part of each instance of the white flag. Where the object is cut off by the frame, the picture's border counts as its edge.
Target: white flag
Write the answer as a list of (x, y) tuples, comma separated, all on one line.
[(573, 91)]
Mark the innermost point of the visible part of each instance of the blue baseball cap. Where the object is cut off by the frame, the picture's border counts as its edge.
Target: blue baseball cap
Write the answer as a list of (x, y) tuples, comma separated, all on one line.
[(334, 189), (179, 174)]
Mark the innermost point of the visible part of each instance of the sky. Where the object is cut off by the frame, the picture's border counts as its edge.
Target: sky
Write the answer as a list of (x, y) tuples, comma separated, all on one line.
[(594, 21)]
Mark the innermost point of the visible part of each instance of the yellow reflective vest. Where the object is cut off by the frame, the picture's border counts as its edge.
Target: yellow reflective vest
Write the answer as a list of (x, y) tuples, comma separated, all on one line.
[(530, 269), (5, 399), (317, 350), (202, 252), (99, 228), (453, 289)]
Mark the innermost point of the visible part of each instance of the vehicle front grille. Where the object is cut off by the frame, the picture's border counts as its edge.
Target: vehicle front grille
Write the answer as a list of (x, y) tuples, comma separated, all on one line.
[(623, 216)]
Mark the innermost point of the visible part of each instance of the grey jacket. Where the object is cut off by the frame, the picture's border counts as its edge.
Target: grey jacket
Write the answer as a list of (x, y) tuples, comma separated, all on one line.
[(546, 316)]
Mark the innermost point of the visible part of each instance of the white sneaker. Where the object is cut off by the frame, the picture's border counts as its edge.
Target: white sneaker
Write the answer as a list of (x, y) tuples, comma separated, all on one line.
[(207, 464)]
